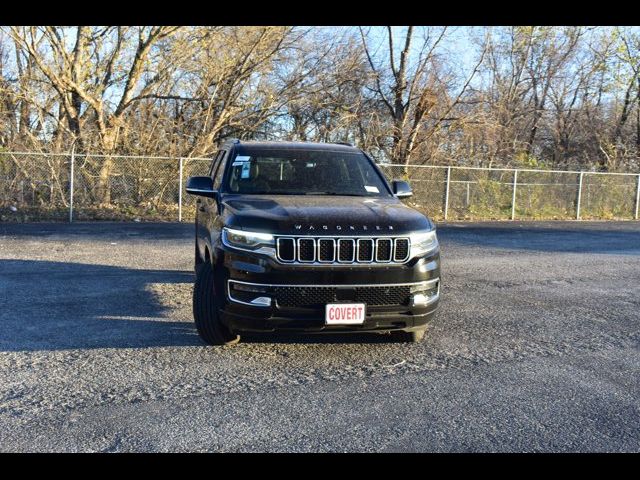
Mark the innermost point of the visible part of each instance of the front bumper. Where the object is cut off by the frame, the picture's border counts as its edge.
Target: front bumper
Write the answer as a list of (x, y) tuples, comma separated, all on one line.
[(271, 293)]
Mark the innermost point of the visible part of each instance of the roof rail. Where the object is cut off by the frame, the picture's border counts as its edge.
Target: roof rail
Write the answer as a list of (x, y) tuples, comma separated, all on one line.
[(349, 144)]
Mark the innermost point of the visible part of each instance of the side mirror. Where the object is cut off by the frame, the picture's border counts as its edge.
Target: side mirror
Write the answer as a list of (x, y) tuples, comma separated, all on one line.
[(401, 189), (202, 186)]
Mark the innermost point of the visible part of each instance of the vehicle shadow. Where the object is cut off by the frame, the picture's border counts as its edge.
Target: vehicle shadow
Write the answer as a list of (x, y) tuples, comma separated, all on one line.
[(99, 230), (305, 338), (47, 305)]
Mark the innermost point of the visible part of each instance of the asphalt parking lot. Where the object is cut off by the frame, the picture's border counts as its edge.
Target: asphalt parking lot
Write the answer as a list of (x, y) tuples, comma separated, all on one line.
[(535, 348)]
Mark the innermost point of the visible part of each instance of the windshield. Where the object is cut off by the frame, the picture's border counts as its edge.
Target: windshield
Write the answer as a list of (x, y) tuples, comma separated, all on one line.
[(304, 172)]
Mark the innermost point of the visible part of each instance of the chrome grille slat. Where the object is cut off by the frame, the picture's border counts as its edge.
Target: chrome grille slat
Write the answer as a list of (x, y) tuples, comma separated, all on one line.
[(382, 244), (327, 250), (362, 250), (352, 245), (321, 251), (283, 244), (306, 245), (400, 246)]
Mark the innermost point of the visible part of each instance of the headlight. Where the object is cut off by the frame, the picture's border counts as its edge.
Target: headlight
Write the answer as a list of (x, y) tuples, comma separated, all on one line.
[(423, 242), (252, 241)]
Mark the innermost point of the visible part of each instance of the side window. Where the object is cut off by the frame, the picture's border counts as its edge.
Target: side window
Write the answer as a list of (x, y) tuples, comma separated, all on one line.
[(220, 170), (214, 164)]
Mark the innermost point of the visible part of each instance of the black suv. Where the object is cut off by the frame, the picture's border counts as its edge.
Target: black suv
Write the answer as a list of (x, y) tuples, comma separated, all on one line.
[(309, 237)]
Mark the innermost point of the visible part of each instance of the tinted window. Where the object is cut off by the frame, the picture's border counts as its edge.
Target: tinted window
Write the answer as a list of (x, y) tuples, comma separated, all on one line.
[(215, 163), (304, 172), (219, 172)]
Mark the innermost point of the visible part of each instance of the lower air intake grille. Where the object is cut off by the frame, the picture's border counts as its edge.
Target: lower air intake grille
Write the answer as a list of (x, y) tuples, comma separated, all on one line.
[(309, 297)]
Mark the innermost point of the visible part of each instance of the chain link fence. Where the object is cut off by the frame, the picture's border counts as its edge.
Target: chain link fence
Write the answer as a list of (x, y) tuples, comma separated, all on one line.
[(39, 186), (42, 186), (473, 193)]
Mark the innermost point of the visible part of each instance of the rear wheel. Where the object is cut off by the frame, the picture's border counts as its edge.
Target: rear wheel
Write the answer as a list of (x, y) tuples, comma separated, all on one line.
[(206, 308)]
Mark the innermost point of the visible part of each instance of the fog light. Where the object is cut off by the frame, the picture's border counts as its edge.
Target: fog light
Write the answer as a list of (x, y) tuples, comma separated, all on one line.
[(262, 301), (249, 294), (419, 299)]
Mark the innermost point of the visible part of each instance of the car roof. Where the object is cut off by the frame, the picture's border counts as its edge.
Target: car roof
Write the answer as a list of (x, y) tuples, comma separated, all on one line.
[(316, 146)]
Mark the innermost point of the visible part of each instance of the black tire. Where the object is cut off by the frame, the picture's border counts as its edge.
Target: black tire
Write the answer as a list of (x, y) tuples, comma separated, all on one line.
[(414, 336), (417, 335), (206, 310), (198, 260)]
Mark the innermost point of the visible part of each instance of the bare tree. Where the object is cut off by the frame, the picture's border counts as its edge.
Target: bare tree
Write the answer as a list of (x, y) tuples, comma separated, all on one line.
[(523, 95)]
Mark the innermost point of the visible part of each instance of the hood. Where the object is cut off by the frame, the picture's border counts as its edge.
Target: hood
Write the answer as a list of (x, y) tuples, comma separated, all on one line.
[(321, 215)]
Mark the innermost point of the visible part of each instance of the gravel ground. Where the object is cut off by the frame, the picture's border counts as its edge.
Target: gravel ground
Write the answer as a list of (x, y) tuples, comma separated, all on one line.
[(535, 348)]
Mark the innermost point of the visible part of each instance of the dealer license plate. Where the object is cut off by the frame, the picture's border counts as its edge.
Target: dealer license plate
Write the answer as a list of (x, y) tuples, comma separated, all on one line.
[(344, 313)]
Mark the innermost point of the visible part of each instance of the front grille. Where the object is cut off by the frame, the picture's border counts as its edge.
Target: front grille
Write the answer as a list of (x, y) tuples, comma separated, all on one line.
[(346, 250), (287, 249), (401, 249), (365, 250), (384, 249), (326, 250), (306, 250), (310, 297)]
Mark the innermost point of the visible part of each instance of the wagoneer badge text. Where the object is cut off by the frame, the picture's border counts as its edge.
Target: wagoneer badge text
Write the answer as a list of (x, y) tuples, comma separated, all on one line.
[(346, 227)]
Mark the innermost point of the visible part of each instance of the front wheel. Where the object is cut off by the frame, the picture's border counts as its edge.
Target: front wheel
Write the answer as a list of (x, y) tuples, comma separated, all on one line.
[(206, 310), (414, 336)]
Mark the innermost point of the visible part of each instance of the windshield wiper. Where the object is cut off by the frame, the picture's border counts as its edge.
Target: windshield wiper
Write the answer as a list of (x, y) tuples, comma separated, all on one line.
[(336, 194), (303, 193)]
